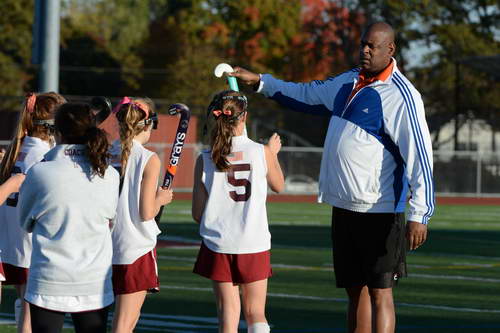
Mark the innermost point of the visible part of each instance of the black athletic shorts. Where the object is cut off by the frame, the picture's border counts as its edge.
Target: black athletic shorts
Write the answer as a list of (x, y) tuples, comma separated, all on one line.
[(368, 248)]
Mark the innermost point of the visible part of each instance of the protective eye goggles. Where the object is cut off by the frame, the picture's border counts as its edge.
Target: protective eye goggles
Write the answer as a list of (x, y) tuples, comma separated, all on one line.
[(47, 123), (239, 98), (152, 119)]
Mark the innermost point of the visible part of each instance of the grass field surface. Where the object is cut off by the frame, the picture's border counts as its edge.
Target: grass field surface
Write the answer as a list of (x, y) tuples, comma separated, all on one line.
[(453, 283)]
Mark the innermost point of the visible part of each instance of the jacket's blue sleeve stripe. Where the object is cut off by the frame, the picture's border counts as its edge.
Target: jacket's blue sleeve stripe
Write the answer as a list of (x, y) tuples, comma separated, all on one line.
[(420, 146), (427, 166), (296, 105), (422, 152)]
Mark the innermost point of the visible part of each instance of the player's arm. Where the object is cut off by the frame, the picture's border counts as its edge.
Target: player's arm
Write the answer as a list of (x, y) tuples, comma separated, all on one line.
[(152, 196), (200, 195), (315, 97), (275, 177), (411, 134), (29, 202), (10, 186)]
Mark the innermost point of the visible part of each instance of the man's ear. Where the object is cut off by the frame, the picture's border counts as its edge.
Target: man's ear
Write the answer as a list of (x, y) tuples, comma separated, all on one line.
[(392, 48)]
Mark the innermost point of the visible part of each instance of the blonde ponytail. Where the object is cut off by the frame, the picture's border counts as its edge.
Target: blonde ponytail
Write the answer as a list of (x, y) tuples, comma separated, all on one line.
[(129, 117)]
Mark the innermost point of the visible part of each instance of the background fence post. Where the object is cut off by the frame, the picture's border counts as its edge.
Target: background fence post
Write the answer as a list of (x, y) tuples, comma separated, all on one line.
[(478, 174)]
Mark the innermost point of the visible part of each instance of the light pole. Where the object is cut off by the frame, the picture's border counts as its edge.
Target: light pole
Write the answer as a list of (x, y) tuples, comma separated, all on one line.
[(46, 30)]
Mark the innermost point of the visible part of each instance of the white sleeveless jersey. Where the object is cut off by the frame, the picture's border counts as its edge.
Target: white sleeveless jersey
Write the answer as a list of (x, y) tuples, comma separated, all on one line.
[(15, 242), (235, 217), (132, 237)]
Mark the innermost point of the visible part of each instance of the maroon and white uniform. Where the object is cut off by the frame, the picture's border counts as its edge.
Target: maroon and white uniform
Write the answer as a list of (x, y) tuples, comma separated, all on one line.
[(235, 217), (132, 237)]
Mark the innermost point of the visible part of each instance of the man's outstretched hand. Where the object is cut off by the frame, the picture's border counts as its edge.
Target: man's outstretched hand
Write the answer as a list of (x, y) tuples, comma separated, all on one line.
[(416, 234), (245, 76)]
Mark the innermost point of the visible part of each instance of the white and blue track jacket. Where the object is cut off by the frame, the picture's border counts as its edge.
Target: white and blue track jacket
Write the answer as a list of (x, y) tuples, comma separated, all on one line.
[(377, 146)]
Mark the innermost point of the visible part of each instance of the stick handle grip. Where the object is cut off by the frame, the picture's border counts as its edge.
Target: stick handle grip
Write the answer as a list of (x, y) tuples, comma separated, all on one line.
[(233, 84), (158, 216)]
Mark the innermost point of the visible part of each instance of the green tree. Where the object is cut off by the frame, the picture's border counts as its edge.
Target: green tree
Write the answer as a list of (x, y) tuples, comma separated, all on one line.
[(15, 47), (106, 34), (461, 30), (192, 37)]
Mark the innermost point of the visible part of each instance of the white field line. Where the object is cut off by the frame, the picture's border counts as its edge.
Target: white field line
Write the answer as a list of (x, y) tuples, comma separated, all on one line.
[(4, 320), (168, 323), (431, 254), (180, 239), (172, 324), (204, 320), (329, 268), (472, 264), (454, 277), (438, 254), (178, 324), (344, 300), (174, 258)]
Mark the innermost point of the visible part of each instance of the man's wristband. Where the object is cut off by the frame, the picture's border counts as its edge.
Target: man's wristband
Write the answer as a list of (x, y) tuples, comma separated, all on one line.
[(257, 87)]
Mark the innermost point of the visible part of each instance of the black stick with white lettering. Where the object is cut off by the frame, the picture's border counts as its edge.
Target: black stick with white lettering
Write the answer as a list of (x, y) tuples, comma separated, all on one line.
[(175, 154)]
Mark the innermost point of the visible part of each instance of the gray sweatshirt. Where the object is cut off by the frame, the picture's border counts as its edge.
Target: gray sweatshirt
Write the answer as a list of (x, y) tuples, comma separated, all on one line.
[(68, 211)]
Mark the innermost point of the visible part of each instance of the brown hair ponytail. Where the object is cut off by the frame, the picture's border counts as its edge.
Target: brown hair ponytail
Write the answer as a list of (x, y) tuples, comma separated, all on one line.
[(227, 107), (129, 117), (76, 125), (36, 107)]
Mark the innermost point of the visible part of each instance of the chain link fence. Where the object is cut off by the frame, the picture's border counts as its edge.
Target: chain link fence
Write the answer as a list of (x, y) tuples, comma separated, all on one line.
[(456, 173), (461, 174)]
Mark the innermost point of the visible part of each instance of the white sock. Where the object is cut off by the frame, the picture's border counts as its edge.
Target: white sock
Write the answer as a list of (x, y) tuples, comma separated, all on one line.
[(259, 328), (17, 309)]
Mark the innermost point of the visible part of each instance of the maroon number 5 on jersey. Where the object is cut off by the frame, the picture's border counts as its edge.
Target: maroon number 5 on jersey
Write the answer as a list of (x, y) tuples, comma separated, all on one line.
[(239, 182)]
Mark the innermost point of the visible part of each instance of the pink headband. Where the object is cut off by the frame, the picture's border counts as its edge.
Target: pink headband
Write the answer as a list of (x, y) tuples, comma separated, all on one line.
[(127, 100), (30, 102)]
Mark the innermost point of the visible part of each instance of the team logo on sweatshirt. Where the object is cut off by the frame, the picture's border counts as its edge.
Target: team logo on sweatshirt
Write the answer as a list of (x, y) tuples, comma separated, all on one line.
[(74, 152)]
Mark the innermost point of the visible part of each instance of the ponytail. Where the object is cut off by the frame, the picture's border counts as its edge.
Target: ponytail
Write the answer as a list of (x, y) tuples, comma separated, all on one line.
[(77, 125), (221, 143), (227, 108), (36, 107), (130, 114), (97, 150)]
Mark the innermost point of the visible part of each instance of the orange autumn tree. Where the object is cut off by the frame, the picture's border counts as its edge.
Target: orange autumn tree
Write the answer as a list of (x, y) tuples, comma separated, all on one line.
[(328, 40)]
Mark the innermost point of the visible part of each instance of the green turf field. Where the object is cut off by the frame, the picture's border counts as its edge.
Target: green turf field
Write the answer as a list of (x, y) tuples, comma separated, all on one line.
[(454, 282)]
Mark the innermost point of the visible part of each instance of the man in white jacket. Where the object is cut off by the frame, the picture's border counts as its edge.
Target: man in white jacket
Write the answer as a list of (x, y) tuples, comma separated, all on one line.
[(377, 151)]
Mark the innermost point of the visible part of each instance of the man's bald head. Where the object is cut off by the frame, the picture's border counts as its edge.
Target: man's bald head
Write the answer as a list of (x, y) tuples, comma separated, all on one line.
[(381, 28), (377, 47)]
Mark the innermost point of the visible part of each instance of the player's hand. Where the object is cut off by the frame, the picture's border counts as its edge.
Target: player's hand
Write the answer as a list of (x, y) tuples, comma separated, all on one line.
[(164, 196), (245, 76), (274, 143), (15, 181), (416, 234)]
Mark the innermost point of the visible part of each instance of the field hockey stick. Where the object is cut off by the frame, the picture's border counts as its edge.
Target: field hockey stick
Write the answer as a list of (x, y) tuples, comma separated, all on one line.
[(101, 108), (175, 154), (220, 69)]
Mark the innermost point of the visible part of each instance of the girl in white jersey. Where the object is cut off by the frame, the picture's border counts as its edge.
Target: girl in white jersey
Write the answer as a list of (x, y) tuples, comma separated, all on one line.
[(67, 202), (135, 231), (229, 202), (32, 139), (6, 189)]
